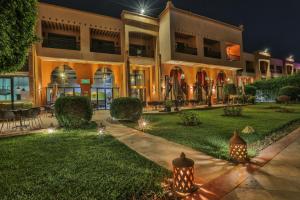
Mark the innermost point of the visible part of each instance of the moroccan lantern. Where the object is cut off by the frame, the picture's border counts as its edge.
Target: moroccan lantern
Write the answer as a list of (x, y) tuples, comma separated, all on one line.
[(183, 175), (238, 148)]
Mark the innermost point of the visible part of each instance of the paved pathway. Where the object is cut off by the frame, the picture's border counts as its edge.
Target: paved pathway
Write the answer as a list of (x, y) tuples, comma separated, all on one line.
[(277, 180), (162, 151)]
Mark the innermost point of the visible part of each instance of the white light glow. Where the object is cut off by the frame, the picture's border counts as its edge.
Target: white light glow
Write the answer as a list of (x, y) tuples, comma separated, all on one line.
[(142, 11)]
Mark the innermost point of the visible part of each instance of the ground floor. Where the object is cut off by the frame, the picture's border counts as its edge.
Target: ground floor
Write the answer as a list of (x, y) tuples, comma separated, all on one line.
[(102, 82)]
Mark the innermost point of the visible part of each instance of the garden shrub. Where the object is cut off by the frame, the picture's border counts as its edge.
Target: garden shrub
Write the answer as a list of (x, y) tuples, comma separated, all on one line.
[(292, 91), (283, 99), (250, 90), (126, 108), (73, 111), (229, 89), (233, 111), (190, 118), (251, 99), (168, 105)]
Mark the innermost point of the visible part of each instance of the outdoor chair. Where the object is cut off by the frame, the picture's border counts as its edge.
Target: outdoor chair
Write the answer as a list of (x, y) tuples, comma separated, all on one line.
[(8, 119)]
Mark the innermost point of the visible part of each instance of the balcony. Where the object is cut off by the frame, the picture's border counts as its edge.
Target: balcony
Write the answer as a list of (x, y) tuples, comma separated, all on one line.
[(61, 43), (137, 50), (60, 36), (100, 46), (103, 41), (211, 54), (186, 49)]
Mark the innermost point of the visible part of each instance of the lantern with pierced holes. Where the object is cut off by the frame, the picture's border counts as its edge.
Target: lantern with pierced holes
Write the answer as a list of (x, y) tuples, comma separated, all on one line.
[(238, 148), (183, 175)]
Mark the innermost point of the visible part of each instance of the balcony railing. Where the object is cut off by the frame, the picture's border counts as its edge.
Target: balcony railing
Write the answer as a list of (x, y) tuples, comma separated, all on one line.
[(135, 51), (186, 50), (233, 57), (211, 54), (110, 50), (61, 43)]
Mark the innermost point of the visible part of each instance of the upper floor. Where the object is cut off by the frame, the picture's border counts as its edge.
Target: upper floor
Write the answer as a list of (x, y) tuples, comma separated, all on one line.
[(176, 35)]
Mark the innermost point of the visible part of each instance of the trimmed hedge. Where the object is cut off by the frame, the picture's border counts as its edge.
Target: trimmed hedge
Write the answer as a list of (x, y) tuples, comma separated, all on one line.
[(126, 108), (276, 83), (291, 91), (190, 118), (73, 112)]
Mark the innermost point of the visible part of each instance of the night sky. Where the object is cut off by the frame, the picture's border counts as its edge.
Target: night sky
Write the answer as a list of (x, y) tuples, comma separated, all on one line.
[(273, 24)]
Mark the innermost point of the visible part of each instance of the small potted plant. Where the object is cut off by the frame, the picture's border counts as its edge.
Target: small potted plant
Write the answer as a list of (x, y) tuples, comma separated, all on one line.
[(168, 105)]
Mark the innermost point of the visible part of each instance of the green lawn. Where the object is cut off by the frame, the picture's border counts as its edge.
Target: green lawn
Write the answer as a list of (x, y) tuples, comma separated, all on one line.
[(74, 165), (213, 134)]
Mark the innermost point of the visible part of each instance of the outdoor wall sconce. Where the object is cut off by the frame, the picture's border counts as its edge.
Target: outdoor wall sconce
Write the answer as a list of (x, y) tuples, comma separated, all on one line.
[(238, 148), (183, 175)]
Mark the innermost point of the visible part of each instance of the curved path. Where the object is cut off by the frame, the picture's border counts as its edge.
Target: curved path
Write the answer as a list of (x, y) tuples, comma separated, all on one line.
[(162, 151)]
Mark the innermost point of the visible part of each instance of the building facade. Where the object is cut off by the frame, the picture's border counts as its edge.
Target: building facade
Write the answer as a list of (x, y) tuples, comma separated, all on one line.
[(178, 55)]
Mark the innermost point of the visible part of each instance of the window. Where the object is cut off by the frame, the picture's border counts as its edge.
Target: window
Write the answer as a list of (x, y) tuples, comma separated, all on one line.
[(14, 87), (272, 68), (279, 69), (263, 67), (137, 78), (250, 67), (212, 48), (185, 43), (61, 41), (233, 52), (103, 46)]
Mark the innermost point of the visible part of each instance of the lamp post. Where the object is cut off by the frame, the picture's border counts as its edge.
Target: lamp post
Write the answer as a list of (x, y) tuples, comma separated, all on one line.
[(183, 175), (238, 148)]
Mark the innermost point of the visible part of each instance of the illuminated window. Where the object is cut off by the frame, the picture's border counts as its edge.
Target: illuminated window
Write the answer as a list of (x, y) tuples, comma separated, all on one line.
[(233, 52)]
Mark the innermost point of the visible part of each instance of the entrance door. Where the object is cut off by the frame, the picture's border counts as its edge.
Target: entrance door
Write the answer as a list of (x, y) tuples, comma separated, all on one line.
[(102, 97)]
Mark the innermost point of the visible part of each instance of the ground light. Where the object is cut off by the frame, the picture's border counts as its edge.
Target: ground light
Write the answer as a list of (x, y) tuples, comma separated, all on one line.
[(143, 124), (101, 130), (51, 129), (238, 148), (183, 176), (142, 11)]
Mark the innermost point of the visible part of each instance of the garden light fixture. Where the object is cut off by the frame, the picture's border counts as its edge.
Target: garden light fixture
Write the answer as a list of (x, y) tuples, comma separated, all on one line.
[(143, 124), (51, 129), (238, 148), (183, 175)]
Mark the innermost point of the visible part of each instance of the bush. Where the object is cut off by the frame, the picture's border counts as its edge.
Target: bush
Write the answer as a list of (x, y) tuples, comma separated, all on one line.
[(233, 111), (250, 90), (229, 89), (190, 118), (73, 112), (292, 91), (251, 99), (126, 108), (283, 99)]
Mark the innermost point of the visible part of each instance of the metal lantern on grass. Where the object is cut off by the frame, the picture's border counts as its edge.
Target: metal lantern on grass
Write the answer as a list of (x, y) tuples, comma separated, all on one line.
[(183, 175), (238, 148)]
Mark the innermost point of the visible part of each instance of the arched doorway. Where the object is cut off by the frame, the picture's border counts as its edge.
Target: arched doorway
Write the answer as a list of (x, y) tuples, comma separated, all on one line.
[(201, 86), (221, 78), (177, 86), (63, 83), (103, 90)]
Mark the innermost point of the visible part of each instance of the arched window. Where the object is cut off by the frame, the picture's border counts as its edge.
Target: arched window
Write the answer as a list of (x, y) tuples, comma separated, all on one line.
[(64, 76), (63, 83), (103, 78)]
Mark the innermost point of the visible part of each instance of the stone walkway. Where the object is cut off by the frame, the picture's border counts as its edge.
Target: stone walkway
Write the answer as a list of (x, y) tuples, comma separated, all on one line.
[(277, 180), (162, 151)]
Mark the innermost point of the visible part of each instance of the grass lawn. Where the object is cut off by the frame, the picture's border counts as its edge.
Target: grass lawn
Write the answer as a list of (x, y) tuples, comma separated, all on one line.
[(213, 134), (74, 165)]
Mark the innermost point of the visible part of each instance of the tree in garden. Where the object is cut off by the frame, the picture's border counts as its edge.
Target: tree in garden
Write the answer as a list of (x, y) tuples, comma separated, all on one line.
[(17, 32)]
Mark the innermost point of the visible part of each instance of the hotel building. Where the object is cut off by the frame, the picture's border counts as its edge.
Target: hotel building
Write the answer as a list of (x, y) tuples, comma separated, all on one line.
[(178, 55)]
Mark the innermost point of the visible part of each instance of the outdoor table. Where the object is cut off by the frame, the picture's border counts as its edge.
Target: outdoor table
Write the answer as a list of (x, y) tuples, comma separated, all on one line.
[(19, 113)]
